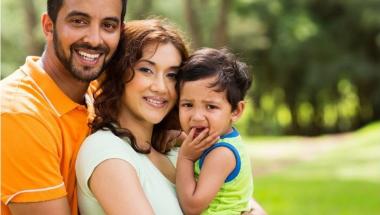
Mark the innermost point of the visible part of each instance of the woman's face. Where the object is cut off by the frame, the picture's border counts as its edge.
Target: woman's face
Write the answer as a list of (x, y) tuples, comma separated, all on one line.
[(151, 94)]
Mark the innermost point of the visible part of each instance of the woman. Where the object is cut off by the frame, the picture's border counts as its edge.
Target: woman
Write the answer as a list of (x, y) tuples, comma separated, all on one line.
[(120, 167)]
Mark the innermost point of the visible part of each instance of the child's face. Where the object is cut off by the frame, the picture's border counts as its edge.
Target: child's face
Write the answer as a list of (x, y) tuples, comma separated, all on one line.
[(201, 107)]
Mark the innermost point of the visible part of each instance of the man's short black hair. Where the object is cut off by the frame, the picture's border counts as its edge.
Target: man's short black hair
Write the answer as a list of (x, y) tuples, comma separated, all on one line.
[(53, 7)]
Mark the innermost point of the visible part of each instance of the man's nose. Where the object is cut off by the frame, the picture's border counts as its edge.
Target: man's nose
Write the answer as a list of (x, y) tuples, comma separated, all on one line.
[(93, 36)]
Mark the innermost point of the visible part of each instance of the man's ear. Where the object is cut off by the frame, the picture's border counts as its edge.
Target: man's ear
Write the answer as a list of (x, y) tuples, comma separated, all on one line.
[(236, 114), (47, 26), (123, 24)]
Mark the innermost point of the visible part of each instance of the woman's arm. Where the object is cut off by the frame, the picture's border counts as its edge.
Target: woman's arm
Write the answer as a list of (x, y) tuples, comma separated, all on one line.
[(117, 188)]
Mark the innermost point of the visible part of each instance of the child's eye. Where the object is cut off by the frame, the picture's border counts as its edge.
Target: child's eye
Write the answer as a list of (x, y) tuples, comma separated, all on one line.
[(186, 105), (211, 107)]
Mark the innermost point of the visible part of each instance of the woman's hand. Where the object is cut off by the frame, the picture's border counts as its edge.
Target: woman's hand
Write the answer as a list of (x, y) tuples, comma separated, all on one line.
[(192, 148), (256, 209)]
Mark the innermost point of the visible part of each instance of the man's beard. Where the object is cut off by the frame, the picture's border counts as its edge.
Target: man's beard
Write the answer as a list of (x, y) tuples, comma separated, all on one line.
[(85, 74)]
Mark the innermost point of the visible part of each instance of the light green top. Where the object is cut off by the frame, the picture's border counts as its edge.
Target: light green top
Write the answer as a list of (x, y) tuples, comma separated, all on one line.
[(236, 192), (103, 145)]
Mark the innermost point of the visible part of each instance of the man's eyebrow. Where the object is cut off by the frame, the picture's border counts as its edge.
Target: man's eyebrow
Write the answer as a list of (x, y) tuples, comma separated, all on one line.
[(113, 19), (79, 13)]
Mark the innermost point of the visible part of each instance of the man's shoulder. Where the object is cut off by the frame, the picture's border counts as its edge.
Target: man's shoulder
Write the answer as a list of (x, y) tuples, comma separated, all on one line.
[(20, 94)]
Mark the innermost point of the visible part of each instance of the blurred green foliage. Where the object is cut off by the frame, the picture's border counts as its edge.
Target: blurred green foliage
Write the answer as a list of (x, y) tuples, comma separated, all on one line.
[(316, 64), (344, 180)]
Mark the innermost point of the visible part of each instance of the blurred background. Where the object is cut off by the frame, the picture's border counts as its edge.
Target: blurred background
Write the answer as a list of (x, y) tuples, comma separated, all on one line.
[(312, 119)]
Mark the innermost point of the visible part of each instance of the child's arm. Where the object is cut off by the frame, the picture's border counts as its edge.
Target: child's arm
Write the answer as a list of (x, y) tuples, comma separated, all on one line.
[(196, 196)]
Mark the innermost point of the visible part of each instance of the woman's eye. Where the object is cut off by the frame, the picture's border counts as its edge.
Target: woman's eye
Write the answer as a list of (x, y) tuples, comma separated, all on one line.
[(144, 69), (172, 75)]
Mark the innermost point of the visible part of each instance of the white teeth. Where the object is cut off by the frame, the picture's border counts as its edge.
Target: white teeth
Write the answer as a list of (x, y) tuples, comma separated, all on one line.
[(154, 101), (87, 56)]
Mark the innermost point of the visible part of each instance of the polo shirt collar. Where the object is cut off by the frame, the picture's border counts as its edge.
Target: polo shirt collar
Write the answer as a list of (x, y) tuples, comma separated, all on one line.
[(54, 95)]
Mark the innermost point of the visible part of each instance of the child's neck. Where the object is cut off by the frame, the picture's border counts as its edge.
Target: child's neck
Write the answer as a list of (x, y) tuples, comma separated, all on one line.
[(229, 130)]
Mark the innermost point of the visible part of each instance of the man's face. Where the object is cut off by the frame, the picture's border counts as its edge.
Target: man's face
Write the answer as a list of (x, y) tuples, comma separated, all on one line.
[(86, 35)]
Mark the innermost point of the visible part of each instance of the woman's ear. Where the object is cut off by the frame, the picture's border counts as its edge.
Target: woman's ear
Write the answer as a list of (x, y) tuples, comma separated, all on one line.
[(236, 114), (47, 26)]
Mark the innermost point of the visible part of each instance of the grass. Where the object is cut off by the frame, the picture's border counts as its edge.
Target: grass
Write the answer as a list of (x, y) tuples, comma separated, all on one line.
[(344, 180), (280, 195)]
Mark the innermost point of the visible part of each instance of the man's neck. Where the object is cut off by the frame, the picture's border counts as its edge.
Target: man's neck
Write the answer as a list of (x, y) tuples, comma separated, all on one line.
[(72, 87)]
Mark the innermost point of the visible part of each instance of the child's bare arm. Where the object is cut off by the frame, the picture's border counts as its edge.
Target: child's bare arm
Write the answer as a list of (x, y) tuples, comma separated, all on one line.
[(195, 196)]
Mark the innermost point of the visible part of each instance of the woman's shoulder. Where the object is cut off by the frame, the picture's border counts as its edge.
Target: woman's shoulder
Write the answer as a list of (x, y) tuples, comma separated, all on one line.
[(100, 135), (103, 145), (104, 139), (99, 147)]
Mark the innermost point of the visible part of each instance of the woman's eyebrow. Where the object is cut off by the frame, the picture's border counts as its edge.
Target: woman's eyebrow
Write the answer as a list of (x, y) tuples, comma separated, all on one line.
[(147, 61)]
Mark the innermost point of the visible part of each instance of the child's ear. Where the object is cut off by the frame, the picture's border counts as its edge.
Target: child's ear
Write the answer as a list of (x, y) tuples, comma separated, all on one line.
[(236, 114)]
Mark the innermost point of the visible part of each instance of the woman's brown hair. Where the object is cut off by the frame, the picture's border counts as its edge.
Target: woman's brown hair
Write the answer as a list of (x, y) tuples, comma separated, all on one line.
[(137, 35)]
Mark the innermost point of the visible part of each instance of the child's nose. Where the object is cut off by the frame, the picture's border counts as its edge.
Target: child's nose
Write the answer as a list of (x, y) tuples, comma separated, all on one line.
[(198, 115)]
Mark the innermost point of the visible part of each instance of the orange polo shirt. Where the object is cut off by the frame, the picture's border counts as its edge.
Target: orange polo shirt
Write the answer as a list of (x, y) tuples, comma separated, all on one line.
[(41, 132)]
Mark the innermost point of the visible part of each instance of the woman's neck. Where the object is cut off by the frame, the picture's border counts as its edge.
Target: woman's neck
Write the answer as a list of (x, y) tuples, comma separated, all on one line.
[(142, 131)]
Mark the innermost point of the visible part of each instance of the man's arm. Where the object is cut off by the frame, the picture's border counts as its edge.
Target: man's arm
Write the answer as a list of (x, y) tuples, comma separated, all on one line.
[(53, 207), (31, 180)]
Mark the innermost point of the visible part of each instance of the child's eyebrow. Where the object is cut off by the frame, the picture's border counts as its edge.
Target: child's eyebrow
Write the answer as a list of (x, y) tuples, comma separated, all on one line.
[(185, 100), (211, 101)]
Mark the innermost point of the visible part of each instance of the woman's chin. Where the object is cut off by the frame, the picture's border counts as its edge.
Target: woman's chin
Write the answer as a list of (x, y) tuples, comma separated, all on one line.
[(156, 120)]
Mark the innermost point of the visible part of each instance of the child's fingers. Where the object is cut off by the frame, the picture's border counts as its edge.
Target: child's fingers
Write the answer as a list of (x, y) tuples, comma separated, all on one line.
[(209, 141), (200, 137), (188, 138), (212, 142)]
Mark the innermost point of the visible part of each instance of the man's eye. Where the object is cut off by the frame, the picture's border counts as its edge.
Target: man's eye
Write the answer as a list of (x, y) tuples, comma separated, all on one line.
[(78, 22), (109, 27)]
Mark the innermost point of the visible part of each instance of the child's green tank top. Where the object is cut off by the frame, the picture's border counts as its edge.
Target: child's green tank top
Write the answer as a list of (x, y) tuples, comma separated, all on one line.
[(236, 192)]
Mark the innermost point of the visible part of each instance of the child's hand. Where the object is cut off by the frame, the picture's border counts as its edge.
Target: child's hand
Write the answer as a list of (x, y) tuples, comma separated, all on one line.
[(192, 148)]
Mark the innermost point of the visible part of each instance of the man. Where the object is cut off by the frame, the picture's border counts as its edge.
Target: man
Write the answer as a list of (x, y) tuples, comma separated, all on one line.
[(43, 106)]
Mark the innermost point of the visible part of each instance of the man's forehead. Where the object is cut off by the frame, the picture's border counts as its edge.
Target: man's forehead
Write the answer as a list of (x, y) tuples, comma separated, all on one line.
[(93, 8)]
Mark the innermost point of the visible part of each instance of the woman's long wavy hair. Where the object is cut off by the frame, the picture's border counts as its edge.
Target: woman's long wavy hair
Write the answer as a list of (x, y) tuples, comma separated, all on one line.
[(137, 35)]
